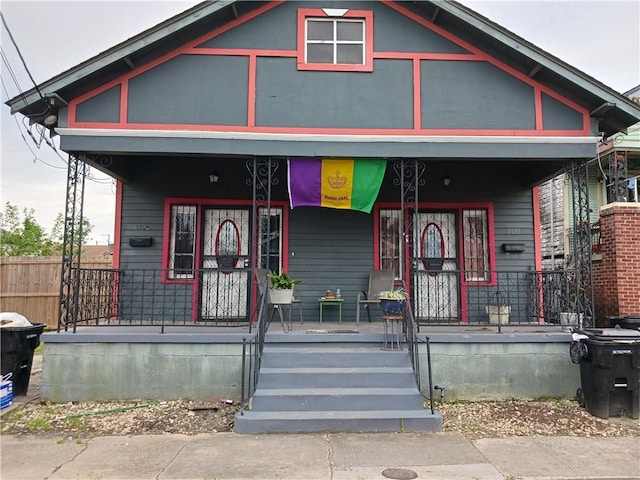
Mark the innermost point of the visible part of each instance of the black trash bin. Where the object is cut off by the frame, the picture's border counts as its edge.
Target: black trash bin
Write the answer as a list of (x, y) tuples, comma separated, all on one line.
[(629, 321), (609, 361), (17, 345)]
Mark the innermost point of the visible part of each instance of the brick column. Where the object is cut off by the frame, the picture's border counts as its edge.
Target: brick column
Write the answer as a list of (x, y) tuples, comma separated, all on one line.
[(616, 278)]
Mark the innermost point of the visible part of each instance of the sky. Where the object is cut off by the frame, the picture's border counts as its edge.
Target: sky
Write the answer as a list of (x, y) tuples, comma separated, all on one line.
[(599, 37)]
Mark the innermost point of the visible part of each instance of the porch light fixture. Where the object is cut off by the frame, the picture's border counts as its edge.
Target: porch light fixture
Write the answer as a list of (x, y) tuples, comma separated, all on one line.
[(214, 177), (446, 180), (50, 120)]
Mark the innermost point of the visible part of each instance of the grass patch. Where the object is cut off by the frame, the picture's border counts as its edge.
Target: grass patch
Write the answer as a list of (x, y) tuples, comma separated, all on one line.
[(39, 349), (38, 424), (75, 422)]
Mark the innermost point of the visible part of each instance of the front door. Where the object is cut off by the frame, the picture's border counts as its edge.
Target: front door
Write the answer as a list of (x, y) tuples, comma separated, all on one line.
[(435, 265), (224, 288)]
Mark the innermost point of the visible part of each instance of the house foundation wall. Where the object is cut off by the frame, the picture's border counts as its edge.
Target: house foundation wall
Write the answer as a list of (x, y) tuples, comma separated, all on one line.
[(615, 276), (471, 367), (484, 371), (140, 371)]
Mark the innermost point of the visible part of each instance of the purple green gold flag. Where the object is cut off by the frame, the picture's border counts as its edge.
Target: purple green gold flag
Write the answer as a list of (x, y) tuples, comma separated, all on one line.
[(335, 182)]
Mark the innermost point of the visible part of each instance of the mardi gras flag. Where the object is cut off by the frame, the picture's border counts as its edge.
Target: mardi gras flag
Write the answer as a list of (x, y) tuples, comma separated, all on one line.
[(335, 182)]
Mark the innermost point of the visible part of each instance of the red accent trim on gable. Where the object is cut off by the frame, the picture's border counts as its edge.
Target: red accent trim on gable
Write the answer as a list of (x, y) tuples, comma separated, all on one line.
[(538, 108), (417, 95), (251, 94), (124, 104), (335, 131), (366, 15), (484, 56), (193, 48)]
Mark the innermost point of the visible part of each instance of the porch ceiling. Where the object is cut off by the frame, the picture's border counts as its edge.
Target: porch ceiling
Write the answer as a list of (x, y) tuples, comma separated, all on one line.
[(141, 168)]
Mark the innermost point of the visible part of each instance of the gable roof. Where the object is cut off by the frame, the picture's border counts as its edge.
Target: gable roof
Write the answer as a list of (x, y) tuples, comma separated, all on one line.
[(614, 111)]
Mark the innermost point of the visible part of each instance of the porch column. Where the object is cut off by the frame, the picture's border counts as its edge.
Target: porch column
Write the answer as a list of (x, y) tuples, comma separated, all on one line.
[(409, 173), (262, 171), (582, 288), (72, 242)]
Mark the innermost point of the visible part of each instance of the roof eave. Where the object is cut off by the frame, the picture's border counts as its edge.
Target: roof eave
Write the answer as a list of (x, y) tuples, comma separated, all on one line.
[(625, 106), (118, 53)]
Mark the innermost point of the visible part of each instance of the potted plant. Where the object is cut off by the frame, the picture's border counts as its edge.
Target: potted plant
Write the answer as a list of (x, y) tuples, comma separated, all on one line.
[(498, 310), (571, 318), (282, 286), (392, 301)]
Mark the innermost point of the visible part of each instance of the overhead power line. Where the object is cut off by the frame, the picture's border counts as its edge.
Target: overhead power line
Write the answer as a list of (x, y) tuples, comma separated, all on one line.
[(24, 63)]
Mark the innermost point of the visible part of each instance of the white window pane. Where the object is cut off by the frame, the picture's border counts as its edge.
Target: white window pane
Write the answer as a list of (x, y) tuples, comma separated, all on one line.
[(476, 255), (319, 30), (182, 251), (320, 54), (350, 54), (350, 31), (270, 246)]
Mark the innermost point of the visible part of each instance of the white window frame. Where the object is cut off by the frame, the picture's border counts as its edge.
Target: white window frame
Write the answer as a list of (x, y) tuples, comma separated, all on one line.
[(334, 41), (262, 213), (395, 214), (176, 210), (469, 271)]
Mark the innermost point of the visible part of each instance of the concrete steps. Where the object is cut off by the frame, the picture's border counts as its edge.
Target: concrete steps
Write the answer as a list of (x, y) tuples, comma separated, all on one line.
[(338, 388)]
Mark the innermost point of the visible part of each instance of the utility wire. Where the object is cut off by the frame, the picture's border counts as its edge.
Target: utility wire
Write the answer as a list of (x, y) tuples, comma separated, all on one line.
[(4, 22)]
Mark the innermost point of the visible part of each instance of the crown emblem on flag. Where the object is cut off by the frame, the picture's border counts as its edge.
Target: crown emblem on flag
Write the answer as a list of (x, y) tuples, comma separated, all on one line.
[(337, 181)]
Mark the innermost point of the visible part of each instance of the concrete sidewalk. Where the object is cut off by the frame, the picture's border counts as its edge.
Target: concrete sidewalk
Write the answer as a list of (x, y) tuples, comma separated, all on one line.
[(318, 456), (335, 456)]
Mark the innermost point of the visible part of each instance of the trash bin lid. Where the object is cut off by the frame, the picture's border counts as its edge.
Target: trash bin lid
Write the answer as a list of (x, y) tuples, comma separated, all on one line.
[(612, 333)]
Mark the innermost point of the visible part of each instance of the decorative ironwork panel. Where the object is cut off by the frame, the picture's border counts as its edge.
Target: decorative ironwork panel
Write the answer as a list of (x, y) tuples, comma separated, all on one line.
[(581, 291), (72, 242), (263, 177), (617, 185)]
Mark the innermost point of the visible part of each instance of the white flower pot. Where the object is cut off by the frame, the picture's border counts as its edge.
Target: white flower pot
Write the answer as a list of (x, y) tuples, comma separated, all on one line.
[(568, 320), (280, 296), (498, 314)]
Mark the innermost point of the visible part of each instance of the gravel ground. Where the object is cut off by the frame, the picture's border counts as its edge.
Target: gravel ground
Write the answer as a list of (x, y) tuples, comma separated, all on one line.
[(484, 419)]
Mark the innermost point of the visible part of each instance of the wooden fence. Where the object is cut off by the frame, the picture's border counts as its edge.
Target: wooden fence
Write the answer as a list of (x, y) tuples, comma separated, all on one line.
[(31, 286)]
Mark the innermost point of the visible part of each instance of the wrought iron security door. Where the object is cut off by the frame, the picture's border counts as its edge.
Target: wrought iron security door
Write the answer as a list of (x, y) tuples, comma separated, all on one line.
[(435, 266), (224, 290)]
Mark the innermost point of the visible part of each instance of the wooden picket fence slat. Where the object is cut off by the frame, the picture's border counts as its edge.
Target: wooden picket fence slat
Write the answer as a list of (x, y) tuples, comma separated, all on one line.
[(30, 286)]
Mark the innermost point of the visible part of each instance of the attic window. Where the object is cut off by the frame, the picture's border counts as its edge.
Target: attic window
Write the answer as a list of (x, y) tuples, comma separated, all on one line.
[(335, 39)]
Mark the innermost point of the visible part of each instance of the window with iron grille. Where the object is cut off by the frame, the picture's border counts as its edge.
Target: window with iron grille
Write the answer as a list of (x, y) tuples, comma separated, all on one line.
[(270, 244), (390, 241), (182, 241), (475, 246)]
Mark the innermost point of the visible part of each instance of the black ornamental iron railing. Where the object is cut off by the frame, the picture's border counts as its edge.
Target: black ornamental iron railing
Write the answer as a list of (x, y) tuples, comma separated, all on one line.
[(141, 297)]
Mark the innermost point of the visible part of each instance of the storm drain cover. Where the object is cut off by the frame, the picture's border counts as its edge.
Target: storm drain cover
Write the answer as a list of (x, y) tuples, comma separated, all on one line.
[(399, 474)]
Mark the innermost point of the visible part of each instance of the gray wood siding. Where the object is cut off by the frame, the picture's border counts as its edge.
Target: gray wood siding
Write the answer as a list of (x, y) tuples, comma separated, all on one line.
[(330, 249), (104, 107), (474, 95), (558, 116), (213, 89), (287, 97), (192, 89), (261, 33)]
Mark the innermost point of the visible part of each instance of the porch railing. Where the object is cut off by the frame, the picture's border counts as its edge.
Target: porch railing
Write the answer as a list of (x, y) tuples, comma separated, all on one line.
[(500, 298), (141, 297)]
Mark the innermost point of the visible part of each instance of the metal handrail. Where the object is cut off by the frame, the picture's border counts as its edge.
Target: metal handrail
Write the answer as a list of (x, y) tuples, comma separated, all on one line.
[(411, 330), (255, 344)]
